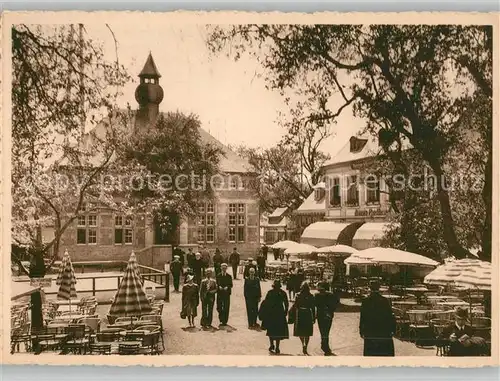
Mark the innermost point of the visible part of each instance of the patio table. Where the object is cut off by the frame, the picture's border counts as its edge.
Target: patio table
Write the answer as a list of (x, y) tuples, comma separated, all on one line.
[(63, 302), (72, 317), (453, 304)]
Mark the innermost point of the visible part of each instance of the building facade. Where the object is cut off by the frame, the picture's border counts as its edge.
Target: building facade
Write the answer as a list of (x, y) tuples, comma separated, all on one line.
[(278, 226), (230, 220), (347, 195)]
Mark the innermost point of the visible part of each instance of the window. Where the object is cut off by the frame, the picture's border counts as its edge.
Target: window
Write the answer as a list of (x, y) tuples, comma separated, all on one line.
[(335, 199), (210, 207), (81, 236), (372, 190), (210, 234), (86, 232), (123, 230), (92, 220), (237, 223), (352, 191), (206, 223), (234, 184), (232, 234), (82, 221), (92, 236)]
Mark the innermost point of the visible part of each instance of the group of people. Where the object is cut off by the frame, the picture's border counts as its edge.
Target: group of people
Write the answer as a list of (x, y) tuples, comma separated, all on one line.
[(213, 286), (197, 264), (211, 290)]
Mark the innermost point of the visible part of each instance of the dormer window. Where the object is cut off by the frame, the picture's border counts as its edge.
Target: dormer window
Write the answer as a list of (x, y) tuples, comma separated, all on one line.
[(356, 145)]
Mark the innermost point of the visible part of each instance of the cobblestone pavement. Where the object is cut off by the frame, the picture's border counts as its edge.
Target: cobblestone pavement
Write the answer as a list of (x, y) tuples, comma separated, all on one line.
[(237, 339)]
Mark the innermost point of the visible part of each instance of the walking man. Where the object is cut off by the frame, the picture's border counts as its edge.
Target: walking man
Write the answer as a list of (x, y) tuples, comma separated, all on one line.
[(208, 290), (326, 304), (224, 287), (377, 324), (176, 270), (234, 260), (252, 293)]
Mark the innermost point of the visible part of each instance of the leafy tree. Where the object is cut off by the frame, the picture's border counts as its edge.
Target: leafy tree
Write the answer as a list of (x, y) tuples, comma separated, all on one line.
[(414, 83), (278, 181), (169, 177), (61, 82)]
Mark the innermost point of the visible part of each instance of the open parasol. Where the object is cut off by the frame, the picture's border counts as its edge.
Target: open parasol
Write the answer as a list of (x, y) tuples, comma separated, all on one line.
[(130, 298), (283, 245)]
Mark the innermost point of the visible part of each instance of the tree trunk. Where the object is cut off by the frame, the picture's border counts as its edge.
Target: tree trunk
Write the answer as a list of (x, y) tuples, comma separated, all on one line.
[(486, 234), (449, 235)]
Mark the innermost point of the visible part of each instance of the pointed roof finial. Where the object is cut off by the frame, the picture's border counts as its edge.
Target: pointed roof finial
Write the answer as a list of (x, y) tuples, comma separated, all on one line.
[(150, 70)]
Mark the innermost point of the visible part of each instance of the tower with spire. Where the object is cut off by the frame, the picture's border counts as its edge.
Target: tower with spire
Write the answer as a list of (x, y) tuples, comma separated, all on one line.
[(149, 95)]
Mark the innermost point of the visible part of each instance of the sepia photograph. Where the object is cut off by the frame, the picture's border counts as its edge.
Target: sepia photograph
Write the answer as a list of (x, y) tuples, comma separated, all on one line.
[(275, 189)]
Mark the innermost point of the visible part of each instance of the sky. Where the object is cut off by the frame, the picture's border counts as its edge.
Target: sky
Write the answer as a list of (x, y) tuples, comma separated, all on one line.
[(229, 98)]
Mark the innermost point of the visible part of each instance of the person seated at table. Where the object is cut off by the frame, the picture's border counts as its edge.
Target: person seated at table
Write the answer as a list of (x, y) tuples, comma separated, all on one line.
[(460, 336)]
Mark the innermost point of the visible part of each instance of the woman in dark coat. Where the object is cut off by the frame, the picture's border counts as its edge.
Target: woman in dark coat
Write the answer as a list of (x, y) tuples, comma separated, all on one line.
[(273, 312), (190, 300), (303, 315)]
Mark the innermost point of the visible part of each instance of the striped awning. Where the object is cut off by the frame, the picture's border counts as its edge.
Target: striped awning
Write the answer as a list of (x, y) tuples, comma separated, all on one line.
[(130, 299), (67, 281)]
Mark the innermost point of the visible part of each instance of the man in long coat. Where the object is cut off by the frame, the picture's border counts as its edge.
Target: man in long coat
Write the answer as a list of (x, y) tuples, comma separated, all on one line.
[(208, 289), (234, 260), (326, 303), (224, 287), (252, 293), (377, 324), (176, 270)]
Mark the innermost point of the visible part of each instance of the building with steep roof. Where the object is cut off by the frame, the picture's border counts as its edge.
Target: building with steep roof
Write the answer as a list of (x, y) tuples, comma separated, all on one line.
[(230, 220), (347, 200)]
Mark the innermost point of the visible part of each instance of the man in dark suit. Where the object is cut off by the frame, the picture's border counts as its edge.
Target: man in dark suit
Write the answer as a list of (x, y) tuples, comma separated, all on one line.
[(224, 287), (234, 260), (252, 293), (326, 304), (176, 270), (198, 266), (459, 335), (208, 289), (377, 324)]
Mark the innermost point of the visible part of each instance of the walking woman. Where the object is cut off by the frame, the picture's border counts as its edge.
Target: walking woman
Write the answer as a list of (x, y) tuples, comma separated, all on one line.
[(291, 282), (303, 316), (273, 312), (190, 300)]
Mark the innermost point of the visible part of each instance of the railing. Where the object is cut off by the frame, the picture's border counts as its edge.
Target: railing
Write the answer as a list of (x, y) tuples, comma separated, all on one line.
[(161, 278)]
